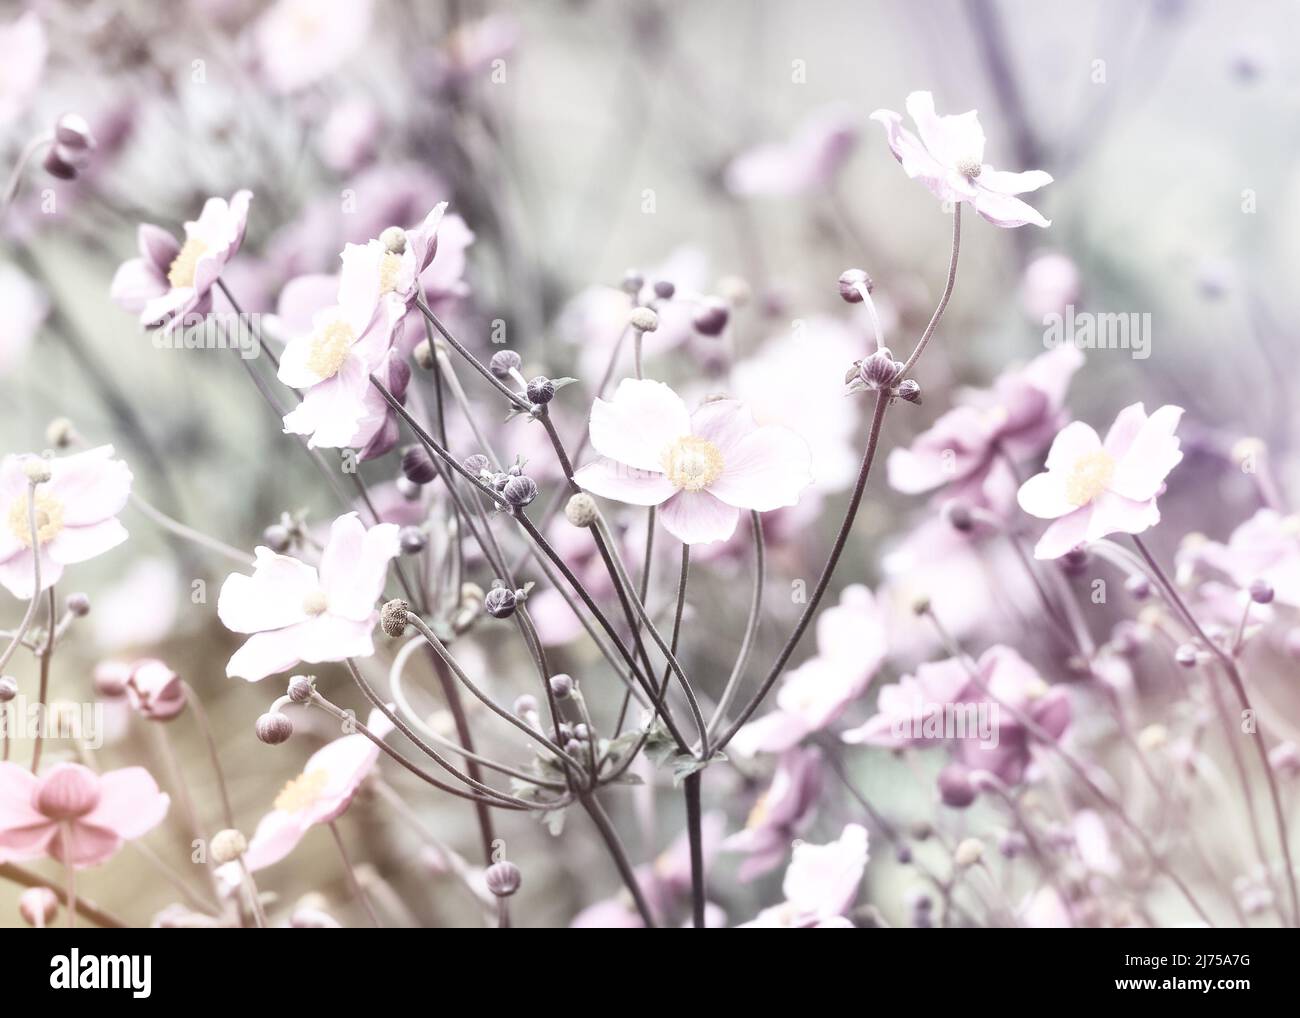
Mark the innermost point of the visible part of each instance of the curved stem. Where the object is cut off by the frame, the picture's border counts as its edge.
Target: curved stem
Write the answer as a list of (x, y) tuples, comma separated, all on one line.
[(751, 625)]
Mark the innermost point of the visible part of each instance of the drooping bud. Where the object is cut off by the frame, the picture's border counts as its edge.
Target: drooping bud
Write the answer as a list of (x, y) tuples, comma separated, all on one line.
[(392, 617), (503, 362), (503, 878), (500, 602), (60, 433), (78, 605), (581, 510), (955, 788), (852, 282), (417, 465), (561, 685), (1261, 591), (72, 131), (38, 906), (274, 728), (424, 355), (712, 318), (519, 491), (301, 688), (541, 390)]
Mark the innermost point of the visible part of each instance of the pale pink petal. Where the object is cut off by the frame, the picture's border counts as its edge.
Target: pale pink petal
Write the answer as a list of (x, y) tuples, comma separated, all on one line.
[(1128, 422), (775, 732), (1004, 182), (696, 517), (333, 638), (612, 479), (130, 803), (135, 283), (346, 763), (83, 844), (724, 422), (277, 834), (1006, 211), (951, 139), (1043, 495), (916, 160), (77, 544), (823, 879), (1065, 534), (17, 575), (638, 425), (91, 485), (354, 566), (266, 654), (1150, 456), (294, 362), (1113, 513), (17, 786), (765, 470), (271, 598), (1073, 442)]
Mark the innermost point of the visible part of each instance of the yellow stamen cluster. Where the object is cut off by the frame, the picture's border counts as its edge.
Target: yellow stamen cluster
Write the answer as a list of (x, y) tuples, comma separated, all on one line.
[(1089, 477), (693, 463), (329, 349), (49, 519), (302, 791), (389, 266), (185, 263), (315, 603)]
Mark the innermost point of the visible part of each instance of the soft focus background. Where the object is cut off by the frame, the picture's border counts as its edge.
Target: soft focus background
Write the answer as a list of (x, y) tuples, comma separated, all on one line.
[(578, 140)]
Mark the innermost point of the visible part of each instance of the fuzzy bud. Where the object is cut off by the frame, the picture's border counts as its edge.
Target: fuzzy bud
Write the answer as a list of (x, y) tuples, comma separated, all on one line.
[(711, 319), (500, 602), (519, 491), (1261, 591), (227, 846), (301, 688), (643, 319), (394, 239), (852, 282), (525, 705), (78, 605), (968, 853), (417, 465), (392, 617), (424, 355), (60, 433), (38, 906), (476, 464), (274, 728), (541, 390), (581, 510), (561, 686), (503, 362), (411, 540), (277, 538), (955, 788), (503, 878), (910, 390), (36, 469), (880, 369), (664, 289), (8, 688)]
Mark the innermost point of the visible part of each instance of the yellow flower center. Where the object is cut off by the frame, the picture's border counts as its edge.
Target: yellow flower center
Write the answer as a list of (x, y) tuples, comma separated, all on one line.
[(302, 791), (329, 349), (758, 814), (49, 519), (1089, 477), (389, 266), (182, 268), (315, 603), (692, 463)]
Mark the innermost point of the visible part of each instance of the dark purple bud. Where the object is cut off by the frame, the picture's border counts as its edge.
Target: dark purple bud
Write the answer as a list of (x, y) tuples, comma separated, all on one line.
[(541, 390), (418, 465), (274, 728), (503, 878), (664, 289), (955, 788), (499, 602), (503, 362), (910, 390), (711, 319), (852, 283), (1261, 591), (519, 491)]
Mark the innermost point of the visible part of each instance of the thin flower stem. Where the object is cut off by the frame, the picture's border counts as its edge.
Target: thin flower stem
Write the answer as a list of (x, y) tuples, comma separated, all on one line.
[(43, 693), (26, 878), (254, 896), (189, 533), (201, 717), (610, 836), (30, 613), (1239, 687), (70, 873), (350, 872), (751, 625), (943, 301), (691, 789)]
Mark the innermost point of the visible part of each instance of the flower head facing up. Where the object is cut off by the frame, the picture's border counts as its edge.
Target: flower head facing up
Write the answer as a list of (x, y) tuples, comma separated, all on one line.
[(170, 281), (1093, 488), (700, 468), (73, 815), (76, 515), (948, 158), (296, 612)]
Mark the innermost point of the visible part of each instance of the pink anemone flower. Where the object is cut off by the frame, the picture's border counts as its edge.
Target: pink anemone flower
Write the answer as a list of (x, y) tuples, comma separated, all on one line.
[(371, 271), (820, 884), (781, 815), (948, 158), (73, 815), (76, 516), (171, 282), (699, 468), (1093, 488), (296, 612)]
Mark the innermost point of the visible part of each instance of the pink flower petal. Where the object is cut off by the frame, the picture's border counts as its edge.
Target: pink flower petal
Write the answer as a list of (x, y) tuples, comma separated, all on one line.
[(78, 544), (1043, 495), (354, 566), (950, 139), (765, 470), (696, 517), (83, 844), (612, 479), (916, 161), (130, 803), (18, 577), (135, 284), (266, 654), (1113, 513), (1004, 182), (1006, 211), (1065, 534), (1074, 441), (642, 420), (1149, 457), (271, 598), (158, 247), (91, 485), (277, 834)]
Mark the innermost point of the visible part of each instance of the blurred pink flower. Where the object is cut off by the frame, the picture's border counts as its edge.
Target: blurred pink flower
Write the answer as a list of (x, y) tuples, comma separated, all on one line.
[(23, 49), (154, 690), (782, 813), (474, 47), (74, 815), (1017, 417), (1091, 489), (76, 516), (903, 707), (701, 469), (821, 884), (319, 795), (296, 612), (1049, 285), (169, 281), (851, 646), (948, 158), (350, 135), (301, 42), (1265, 547), (371, 271), (808, 161)]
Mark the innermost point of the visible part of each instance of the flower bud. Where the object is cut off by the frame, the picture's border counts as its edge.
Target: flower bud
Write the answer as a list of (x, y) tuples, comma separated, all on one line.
[(664, 289), (643, 319), (301, 688), (417, 465), (1074, 562), (8, 688), (632, 282), (1186, 655), (955, 788), (910, 390), (525, 704), (392, 617), (277, 538), (968, 853), (852, 282), (38, 906), (476, 464), (503, 362), (541, 390), (394, 239), (274, 728), (412, 540), (78, 605), (880, 369), (36, 469), (499, 602), (61, 163), (227, 846), (1138, 587), (519, 491), (561, 686), (503, 878), (581, 510), (60, 433), (67, 791), (959, 516), (711, 319), (424, 355), (155, 691), (111, 678), (1261, 591)]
